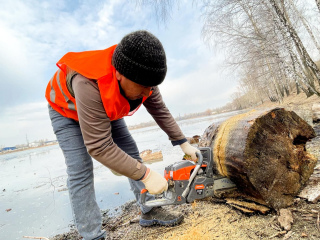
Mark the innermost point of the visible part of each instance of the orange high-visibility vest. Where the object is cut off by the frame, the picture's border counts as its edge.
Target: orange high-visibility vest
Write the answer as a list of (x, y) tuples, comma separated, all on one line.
[(94, 65)]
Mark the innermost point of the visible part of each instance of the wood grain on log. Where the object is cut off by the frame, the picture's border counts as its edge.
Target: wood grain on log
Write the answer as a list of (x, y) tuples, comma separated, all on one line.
[(263, 153)]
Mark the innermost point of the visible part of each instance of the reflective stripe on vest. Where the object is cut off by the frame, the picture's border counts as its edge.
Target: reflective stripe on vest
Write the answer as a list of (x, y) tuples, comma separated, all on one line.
[(71, 105), (58, 97), (52, 92)]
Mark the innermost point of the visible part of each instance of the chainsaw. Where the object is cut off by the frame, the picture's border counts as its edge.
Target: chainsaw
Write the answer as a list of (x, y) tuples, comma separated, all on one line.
[(189, 181)]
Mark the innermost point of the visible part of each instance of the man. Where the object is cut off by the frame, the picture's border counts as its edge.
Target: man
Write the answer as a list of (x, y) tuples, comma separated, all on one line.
[(88, 97)]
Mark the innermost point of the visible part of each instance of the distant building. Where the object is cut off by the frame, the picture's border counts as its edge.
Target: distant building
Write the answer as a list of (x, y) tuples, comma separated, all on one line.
[(8, 149), (34, 144)]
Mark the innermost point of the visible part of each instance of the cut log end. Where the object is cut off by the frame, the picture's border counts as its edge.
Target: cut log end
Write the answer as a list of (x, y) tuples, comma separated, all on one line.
[(264, 153)]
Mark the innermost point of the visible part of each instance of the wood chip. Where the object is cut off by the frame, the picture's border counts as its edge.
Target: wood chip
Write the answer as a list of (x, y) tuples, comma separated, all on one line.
[(312, 190), (241, 208), (287, 236), (304, 235), (247, 205), (285, 219), (278, 234)]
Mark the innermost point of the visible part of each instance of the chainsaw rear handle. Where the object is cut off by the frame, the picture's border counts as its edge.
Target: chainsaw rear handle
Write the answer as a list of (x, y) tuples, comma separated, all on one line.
[(144, 191)]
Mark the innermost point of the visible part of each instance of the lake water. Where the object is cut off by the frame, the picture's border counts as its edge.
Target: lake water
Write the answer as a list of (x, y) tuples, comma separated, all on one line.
[(33, 182)]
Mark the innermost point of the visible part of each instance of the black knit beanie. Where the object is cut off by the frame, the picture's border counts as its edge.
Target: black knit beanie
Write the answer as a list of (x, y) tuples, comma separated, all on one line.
[(140, 57)]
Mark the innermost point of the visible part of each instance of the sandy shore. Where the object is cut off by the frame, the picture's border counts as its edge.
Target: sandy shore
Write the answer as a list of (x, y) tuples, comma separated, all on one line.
[(21, 150)]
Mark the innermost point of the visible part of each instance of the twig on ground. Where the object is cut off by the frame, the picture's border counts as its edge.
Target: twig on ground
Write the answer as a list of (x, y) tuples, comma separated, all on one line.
[(54, 189), (275, 226), (318, 220), (278, 234)]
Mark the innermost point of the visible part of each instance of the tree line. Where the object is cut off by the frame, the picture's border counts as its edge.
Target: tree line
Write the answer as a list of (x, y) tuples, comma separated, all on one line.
[(272, 45), (269, 44)]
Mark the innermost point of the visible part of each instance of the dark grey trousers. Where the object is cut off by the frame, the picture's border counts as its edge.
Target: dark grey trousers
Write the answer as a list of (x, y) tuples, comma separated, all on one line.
[(86, 213)]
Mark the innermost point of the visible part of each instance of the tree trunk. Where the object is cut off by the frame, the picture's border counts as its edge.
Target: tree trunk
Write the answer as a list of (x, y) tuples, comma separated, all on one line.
[(318, 4), (263, 50), (293, 34), (305, 24), (263, 153), (297, 72)]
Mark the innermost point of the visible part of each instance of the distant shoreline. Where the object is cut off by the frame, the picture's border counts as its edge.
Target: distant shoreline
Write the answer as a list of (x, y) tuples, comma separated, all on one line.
[(155, 124), (129, 128), (20, 150)]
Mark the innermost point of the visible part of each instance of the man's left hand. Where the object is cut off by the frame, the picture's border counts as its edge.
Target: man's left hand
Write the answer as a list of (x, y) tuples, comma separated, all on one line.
[(189, 150)]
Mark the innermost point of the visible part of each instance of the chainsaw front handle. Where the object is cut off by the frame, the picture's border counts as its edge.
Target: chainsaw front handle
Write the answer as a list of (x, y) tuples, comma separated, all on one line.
[(194, 173), (200, 158)]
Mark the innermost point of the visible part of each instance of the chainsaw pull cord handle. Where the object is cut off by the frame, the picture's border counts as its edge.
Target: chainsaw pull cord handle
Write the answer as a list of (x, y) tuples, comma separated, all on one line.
[(194, 173)]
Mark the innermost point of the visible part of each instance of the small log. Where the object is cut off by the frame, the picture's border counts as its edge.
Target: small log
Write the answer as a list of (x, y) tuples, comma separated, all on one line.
[(149, 156), (263, 153), (248, 205)]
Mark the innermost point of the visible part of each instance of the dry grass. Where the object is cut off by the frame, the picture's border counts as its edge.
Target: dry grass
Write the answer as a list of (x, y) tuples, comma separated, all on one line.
[(219, 221)]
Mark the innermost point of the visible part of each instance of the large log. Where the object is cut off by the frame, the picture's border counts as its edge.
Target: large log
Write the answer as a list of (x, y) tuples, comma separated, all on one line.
[(263, 153)]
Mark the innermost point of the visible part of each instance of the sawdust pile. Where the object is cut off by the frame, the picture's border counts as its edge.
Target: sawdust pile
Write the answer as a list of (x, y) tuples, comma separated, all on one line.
[(219, 221)]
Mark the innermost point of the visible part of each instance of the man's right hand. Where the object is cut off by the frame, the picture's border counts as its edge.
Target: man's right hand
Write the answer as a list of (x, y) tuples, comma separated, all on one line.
[(154, 182)]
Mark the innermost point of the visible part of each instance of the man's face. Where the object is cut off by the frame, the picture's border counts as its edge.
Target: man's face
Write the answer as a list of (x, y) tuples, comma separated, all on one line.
[(131, 89)]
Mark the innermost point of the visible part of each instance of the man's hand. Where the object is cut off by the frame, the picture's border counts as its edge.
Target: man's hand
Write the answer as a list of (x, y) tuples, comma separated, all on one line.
[(189, 150), (154, 182)]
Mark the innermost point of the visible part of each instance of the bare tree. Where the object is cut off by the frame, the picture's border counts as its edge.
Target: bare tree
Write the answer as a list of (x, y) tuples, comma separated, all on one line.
[(293, 34), (305, 24), (162, 8), (262, 44), (318, 4)]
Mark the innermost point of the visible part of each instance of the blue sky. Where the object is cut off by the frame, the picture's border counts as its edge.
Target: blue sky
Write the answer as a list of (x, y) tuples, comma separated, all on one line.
[(36, 34)]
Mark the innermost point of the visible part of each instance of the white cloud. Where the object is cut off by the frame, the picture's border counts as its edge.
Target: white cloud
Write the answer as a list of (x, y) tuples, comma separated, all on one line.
[(31, 119), (35, 34)]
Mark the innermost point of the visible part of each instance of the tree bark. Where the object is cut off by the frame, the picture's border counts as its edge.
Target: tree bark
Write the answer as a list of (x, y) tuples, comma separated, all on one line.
[(293, 34), (263, 153), (305, 24), (298, 72), (318, 4)]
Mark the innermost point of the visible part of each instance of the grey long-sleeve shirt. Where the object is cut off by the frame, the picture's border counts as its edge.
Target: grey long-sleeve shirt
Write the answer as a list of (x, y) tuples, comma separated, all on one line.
[(96, 127)]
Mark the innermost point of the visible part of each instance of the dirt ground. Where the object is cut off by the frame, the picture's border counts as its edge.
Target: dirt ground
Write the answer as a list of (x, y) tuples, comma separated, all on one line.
[(213, 219)]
